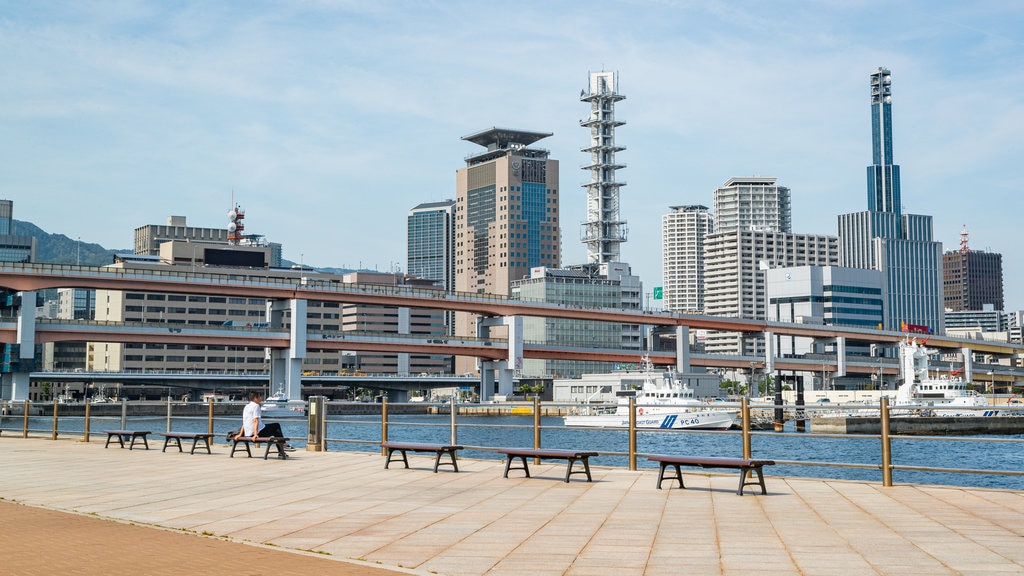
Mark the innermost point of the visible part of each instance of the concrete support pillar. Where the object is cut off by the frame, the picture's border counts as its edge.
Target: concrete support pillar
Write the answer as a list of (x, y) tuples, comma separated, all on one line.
[(404, 327), (968, 372), (26, 338), (840, 356), (683, 349), (769, 354), (486, 381), (286, 365)]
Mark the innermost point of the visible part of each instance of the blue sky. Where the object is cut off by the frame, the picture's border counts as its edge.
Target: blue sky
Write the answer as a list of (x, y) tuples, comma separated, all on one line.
[(331, 119)]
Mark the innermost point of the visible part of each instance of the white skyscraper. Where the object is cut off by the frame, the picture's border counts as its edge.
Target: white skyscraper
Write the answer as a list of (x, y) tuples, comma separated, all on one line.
[(684, 232)]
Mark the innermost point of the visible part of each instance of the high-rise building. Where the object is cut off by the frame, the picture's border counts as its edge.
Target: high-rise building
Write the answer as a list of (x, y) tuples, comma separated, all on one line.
[(14, 248), (883, 238), (752, 203), (972, 278), (506, 217), (431, 247), (883, 175), (506, 214), (431, 243), (735, 277), (604, 231), (684, 233)]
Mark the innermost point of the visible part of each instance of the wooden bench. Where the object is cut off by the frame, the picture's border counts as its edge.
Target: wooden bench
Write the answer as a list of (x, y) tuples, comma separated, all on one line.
[(439, 449), (570, 455), (195, 437), (122, 435), (271, 442), (741, 464)]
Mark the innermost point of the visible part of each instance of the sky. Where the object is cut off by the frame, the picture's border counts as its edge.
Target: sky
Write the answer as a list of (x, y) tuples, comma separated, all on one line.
[(326, 121)]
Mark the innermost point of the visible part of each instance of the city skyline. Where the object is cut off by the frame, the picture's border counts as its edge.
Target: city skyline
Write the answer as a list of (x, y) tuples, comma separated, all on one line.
[(120, 115)]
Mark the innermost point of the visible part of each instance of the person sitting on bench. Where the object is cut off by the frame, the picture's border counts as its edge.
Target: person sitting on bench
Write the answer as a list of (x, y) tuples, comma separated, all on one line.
[(253, 425)]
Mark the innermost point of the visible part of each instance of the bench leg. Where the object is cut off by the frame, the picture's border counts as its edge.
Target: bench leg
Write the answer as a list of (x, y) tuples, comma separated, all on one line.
[(678, 476), (391, 452), (451, 454), (111, 437), (508, 465), (744, 473), (234, 448), (144, 442), (279, 444), (195, 444), (586, 469), (177, 441)]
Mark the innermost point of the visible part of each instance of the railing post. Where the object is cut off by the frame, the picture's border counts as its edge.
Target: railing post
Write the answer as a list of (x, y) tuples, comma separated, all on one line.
[(124, 413), (168, 411), (454, 431), (883, 408), (85, 425), (209, 415), (632, 433), (24, 423), (384, 423), (53, 435), (745, 413), (537, 426)]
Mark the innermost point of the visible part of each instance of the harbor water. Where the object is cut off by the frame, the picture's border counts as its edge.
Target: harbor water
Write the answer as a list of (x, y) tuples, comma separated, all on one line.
[(363, 432)]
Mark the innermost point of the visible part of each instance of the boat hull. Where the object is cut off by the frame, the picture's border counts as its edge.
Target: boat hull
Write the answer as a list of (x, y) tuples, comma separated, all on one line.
[(670, 420)]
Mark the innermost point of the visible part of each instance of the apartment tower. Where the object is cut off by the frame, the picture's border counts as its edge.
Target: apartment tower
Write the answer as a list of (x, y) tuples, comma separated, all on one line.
[(684, 232)]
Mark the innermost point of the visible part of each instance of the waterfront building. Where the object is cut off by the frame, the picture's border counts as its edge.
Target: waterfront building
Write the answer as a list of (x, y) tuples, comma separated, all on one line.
[(605, 387), (735, 277), (172, 310), (430, 250), (684, 232), (883, 238), (14, 247), (824, 295), (972, 279), (580, 286), (976, 323), (506, 218), (148, 238)]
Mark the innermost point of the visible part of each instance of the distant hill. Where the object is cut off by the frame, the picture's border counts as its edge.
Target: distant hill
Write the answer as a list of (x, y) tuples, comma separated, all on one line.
[(59, 249)]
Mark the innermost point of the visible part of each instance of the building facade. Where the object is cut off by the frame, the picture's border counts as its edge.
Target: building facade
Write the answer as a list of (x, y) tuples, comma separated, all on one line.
[(752, 203), (882, 238), (430, 252), (506, 217), (735, 277), (13, 247), (684, 232), (604, 231), (972, 279)]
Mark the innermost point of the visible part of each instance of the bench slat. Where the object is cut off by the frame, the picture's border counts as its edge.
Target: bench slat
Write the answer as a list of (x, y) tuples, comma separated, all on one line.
[(438, 449), (745, 466), (571, 456)]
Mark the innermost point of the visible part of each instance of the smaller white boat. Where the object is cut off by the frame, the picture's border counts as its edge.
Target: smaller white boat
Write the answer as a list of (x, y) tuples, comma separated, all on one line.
[(278, 406), (664, 402)]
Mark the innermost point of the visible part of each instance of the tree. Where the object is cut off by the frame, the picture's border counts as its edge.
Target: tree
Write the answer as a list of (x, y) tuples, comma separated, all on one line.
[(535, 389)]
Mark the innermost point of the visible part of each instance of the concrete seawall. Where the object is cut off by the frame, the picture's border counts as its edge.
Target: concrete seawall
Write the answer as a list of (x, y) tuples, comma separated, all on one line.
[(920, 426)]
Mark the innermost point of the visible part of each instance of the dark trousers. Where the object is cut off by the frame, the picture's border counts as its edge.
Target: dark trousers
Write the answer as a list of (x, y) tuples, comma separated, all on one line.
[(270, 430)]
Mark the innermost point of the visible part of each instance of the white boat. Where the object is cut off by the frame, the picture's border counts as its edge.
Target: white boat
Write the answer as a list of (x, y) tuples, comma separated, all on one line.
[(662, 402), (278, 406), (942, 395)]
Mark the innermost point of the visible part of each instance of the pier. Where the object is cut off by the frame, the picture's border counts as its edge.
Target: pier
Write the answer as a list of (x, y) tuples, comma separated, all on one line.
[(345, 507)]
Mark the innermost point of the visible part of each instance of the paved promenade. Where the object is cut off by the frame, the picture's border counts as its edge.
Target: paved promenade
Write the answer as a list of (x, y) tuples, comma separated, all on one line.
[(342, 513)]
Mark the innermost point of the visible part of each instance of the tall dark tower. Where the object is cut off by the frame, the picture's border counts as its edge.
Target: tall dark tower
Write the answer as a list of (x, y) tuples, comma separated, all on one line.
[(883, 175)]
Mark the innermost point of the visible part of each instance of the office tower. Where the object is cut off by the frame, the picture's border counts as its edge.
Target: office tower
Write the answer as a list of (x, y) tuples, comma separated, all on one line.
[(828, 295), (14, 248), (972, 278), (883, 175), (506, 218), (752, 203), (883, 238), (431, 248), (431, 243), (506, 214), (604, 231), (684, 232)]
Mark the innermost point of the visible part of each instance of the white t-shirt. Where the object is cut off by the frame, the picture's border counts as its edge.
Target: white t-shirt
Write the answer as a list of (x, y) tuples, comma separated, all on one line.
[(251, 412)]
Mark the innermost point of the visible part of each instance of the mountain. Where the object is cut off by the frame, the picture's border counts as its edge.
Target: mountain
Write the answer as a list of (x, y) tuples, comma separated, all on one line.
[(59, 249)]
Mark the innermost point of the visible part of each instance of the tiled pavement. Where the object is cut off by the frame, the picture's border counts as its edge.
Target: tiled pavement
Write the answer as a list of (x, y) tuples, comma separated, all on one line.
[(345, 506)]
